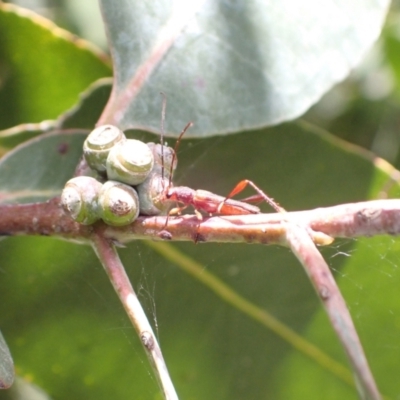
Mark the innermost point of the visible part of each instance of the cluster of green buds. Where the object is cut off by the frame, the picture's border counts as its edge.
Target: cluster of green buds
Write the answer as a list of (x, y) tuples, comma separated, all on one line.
[(133, 178)]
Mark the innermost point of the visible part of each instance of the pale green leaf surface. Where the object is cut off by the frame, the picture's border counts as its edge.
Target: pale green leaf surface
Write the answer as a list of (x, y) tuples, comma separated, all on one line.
[(38, 169), (68, 332), (16, 135), (24, 390), (87, 111), (83, 115), (231, 66), (42, 68)]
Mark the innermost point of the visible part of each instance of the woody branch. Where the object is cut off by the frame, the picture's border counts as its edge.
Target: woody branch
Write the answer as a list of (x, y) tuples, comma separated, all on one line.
[(368, 218)]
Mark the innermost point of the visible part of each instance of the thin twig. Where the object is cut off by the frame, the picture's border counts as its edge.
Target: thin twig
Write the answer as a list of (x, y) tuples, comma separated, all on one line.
[(299, 241), (118, 277)]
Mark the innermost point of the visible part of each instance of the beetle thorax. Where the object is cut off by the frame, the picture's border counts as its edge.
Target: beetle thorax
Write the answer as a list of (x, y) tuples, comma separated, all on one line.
[(181, 194)]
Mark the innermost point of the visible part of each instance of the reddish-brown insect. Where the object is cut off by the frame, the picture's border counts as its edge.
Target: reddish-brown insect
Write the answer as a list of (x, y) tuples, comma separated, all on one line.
[(202, 200)]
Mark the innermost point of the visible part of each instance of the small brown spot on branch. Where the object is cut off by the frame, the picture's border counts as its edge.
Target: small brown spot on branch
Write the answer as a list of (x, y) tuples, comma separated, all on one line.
[(147, 340)]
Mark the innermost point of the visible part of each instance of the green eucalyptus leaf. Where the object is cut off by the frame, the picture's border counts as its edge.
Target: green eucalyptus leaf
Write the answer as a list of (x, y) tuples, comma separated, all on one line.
[(24, 390), (43, 68), (38, 169), (231, 66), (78, 339), (87, 111), (16, 135), (83, 115), (391, 41)]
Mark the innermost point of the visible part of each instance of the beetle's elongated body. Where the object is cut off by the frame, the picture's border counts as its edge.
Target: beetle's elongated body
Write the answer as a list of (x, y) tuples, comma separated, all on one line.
[(202, 200), (211, 203)]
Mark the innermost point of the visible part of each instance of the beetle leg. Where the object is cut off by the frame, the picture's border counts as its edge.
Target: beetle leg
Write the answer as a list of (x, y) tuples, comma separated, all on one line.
[(242, 185), (198, 215)]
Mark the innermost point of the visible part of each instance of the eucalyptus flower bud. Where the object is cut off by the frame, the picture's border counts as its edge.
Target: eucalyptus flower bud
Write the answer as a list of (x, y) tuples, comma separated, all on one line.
[(163, 159), (130, 162), (79, 199), (118, 203), (99, 143), (151, 195)]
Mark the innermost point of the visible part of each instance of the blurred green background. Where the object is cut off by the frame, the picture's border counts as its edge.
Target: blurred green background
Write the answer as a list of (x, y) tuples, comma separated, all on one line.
[(69, 335)]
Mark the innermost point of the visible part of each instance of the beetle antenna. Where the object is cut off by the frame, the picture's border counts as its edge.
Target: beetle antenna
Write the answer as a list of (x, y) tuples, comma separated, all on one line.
[(176, 150), (164, 106)]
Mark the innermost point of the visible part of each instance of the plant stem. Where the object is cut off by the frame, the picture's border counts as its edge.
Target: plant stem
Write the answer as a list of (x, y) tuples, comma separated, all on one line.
[(299, 241), (118, 277), (368, 218)]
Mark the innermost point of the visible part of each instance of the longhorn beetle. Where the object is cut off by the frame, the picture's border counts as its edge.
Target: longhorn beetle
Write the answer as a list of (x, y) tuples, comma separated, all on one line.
[(202, 200)]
